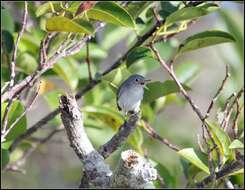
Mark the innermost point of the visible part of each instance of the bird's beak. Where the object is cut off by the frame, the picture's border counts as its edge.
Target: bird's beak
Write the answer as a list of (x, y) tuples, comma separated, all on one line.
[(146, 80), (146, 87)]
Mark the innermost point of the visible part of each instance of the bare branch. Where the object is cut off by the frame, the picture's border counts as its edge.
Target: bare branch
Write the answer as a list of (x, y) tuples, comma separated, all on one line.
[(232, 167), (12, 75), (120, 137), (154, 135), (12, 70), (133, 171), (28, 107), (98, 173), (227, 74)]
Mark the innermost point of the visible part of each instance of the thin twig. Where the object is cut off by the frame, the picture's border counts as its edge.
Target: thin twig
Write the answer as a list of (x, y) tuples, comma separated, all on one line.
[(12, 68), (170, 70), (154, 135), (120, 137), (232, 167), (87, 88), (28, 107), (227, 74), (235, 121), (20, 162), (88, 62)]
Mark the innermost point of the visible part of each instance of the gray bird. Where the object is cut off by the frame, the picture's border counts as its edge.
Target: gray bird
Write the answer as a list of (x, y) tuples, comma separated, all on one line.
[(130, 94)]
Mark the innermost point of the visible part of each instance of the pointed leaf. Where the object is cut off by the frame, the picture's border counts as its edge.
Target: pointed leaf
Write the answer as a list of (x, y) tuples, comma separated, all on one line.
[(158, 89), (15, 111), (139, 53), (63, 24), (190, 155), (109, 116), (46, 7), (222, 140), (112, 13), (189, 13), (204, 39), (136, 139), (236, 144)]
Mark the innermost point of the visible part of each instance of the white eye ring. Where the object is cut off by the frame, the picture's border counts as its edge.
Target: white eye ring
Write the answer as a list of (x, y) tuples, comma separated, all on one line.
[(136, 80)]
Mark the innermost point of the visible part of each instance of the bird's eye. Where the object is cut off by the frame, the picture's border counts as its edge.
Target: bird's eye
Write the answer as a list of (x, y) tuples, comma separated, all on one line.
[(136, 80)]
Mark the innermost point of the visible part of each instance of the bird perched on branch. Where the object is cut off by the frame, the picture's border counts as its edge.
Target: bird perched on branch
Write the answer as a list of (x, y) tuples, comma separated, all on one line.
[(130, 94)]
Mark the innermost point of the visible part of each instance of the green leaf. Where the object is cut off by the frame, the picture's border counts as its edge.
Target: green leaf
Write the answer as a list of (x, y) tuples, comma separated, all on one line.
[(7, 41), (97, 52), (241, 171), (222, 140), (73, 7), (136, 139), (7, 21), (186, 71), (112, 13), (135, 8), (236, 144), (111, 33), (137, 54), (15, 111), (63, 24), (204, 39), (158, 89), (189, 13), (231, 21), (190, 155), (46, 8), (4, 157), (27, 63), (167, 8), (117, 76), (168, 178), (109, 116), (68, 70)]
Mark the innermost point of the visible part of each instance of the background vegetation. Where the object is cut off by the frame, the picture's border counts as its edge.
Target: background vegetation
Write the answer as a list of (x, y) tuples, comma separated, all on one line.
[(38, 163)]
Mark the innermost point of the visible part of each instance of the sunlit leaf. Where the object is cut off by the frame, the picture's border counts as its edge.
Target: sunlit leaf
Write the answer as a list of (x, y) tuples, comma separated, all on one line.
[(236, 144), (190, 155), (15, 111), (241, 171), (46, 8), (158, 89), (204, 39), (67, 69), (109, 116), (112, 13), (26, 63), (63, 24), (117, 76), (136, 140), (191, 13), (222, 140)]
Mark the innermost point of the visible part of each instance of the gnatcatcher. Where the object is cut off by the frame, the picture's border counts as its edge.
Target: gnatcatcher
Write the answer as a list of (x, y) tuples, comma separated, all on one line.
[(130, 94)]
